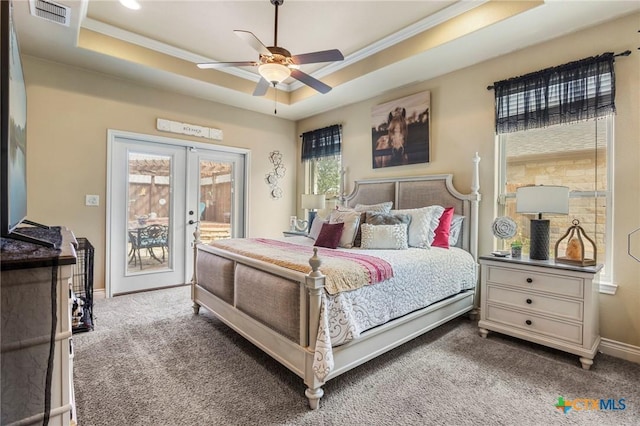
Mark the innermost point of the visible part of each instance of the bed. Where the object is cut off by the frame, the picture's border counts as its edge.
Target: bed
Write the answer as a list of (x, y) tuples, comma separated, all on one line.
[(292, 316)]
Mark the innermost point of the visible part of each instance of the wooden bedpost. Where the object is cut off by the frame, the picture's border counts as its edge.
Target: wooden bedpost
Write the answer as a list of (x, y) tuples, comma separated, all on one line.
[(341, 197), (315, 286), (475, 202), (194, 277), (473, 240)]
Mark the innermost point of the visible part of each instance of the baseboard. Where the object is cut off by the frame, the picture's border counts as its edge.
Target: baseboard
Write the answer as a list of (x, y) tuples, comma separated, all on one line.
[(99, 293), (620, 350), (608, 288)]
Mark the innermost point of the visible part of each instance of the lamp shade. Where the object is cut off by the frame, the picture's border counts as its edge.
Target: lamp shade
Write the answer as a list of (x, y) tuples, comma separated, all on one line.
[(312, 201), (542, 199), (273, 72)]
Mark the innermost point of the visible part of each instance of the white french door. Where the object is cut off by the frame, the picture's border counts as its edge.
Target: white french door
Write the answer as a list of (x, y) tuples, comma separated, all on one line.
[(215, 197), (159, 190)]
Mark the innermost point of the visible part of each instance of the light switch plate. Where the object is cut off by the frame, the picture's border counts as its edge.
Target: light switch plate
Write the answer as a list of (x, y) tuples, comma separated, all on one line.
[(92, 200)]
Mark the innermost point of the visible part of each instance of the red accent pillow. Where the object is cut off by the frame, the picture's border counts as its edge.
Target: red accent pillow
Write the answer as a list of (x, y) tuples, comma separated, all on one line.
[(329, 236), (442, 231)]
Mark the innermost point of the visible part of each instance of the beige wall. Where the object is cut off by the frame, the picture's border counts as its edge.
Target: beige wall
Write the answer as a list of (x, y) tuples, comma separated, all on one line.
[(462, 123), (70, 111)]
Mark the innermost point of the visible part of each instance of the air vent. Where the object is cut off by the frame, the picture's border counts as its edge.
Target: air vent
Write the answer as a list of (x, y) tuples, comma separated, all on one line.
[(51, 11)]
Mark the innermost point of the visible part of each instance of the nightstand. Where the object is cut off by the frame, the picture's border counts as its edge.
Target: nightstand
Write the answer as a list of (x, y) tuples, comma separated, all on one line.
[(295, 233), (541, 301)]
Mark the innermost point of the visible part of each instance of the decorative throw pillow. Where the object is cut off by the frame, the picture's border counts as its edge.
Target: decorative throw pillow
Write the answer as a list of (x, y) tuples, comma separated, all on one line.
[(456, 227), (358, 238), (392, 237), (329, 236), (380, 207), (387, 219), (443, 230), (316, 226), (363, 209), (424, 222), (351, 220)]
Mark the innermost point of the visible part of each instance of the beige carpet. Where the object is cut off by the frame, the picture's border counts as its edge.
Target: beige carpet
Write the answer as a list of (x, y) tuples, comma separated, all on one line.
[(150, 361)]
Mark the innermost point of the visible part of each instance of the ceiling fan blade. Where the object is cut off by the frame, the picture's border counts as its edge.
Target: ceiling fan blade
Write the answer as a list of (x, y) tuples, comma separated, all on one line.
[(208, 65), (253, 41), (321, 56), (261, 87), (310, 81)]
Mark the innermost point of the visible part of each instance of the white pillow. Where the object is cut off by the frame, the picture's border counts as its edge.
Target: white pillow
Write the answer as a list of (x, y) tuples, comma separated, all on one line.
[(378, 208), (422, 227), (316, 227), (351, 220), (454, 230), (384, 236)]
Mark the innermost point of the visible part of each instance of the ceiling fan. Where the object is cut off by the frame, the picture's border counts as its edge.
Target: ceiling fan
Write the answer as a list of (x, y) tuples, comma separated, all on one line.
[(275, 63)]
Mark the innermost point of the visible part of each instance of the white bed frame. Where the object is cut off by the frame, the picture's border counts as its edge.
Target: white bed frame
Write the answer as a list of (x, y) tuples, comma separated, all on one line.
[(298, 356)]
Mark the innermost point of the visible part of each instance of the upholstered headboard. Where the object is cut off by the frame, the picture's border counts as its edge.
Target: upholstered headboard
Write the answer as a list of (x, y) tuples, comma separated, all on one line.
[(422, 191)]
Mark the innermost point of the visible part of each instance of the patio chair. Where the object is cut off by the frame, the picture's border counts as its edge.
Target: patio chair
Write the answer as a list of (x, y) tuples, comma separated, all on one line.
[(149, 237)]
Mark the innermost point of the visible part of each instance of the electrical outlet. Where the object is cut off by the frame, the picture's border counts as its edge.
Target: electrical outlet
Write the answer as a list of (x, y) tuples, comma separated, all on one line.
[(92, 200)]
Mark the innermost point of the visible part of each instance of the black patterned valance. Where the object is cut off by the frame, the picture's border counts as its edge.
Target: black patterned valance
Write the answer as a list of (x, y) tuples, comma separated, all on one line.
[(325, 142), (567, 93)]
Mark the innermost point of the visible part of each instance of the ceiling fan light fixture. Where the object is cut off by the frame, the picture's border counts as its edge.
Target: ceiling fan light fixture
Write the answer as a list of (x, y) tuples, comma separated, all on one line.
[(275, 64), (274, 73)]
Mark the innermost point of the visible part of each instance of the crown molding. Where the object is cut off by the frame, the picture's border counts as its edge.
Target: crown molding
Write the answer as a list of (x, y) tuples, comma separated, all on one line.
[(148, 43), (382, 44), (397, 37)]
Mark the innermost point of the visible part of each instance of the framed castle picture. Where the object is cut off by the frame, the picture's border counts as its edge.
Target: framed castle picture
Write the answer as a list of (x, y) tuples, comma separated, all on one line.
[(400, 131)]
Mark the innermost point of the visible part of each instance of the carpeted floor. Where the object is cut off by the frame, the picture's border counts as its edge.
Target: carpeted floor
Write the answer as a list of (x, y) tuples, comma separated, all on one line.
[(150, 361)]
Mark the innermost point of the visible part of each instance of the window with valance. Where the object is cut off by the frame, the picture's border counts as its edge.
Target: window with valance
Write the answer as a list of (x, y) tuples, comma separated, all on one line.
[(555, 127), (322, 155), (325, 142), (576, 91)]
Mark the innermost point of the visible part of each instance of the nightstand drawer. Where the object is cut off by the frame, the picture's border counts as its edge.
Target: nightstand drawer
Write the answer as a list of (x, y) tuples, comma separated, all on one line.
[(554, 284), (532, 323), (533, 302)]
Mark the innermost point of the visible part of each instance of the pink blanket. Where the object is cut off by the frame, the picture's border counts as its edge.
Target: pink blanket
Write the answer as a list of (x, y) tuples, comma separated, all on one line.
[(343, 270)]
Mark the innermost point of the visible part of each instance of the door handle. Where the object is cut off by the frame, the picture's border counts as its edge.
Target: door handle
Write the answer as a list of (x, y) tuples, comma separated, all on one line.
[(193, 222)]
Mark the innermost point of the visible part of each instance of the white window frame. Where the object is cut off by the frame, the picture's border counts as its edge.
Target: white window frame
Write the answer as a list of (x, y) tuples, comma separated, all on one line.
[(606, 275), (310, 181)]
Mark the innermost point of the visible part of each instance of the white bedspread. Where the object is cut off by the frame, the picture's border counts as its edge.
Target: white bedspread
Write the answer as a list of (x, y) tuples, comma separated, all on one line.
[(421, 278)]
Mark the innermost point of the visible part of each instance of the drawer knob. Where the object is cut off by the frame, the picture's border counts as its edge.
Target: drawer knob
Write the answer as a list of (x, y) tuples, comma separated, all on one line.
[(528, 322), (529, 301), (529, 280)]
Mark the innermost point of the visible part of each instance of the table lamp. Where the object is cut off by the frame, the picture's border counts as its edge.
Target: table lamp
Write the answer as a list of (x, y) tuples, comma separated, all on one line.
[(540, 199), (312, 202)]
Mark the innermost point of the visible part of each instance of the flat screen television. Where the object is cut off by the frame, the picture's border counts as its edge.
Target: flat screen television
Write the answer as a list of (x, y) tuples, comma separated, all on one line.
[(13, 133)]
